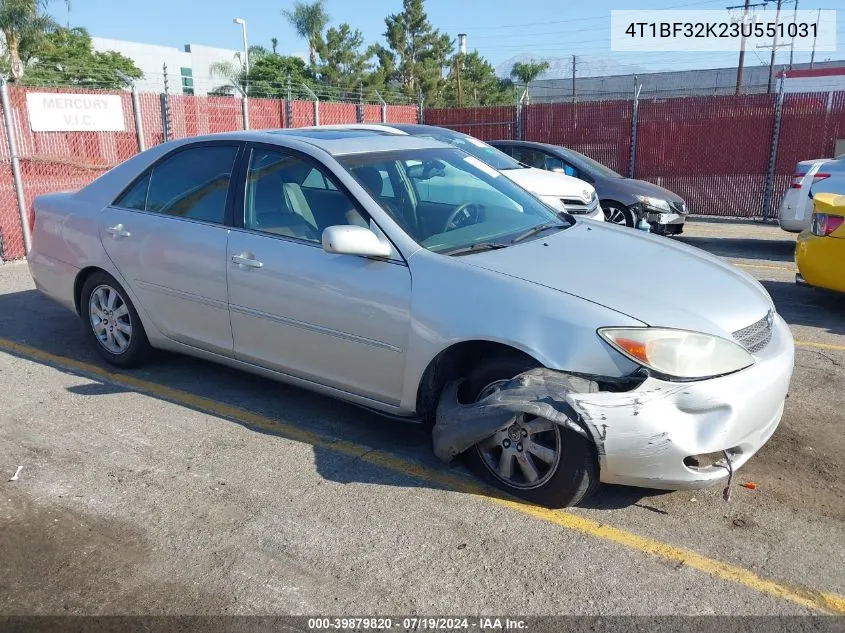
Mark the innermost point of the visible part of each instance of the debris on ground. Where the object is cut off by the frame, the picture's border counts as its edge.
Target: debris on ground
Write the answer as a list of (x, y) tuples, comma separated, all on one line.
[(17, 472)]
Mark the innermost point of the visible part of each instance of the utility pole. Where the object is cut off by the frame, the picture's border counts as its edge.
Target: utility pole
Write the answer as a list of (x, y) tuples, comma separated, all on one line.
[(462, 49), (573, 78), (741, 64), (774, 47), (815, 37), (792, 45)]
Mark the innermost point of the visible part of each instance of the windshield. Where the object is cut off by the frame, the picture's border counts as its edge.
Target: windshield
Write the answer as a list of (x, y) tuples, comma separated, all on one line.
[(497, 159), (448, 201), (594, 166)]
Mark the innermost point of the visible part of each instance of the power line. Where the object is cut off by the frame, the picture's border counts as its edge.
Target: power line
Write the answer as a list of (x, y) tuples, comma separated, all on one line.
[(581, 19)]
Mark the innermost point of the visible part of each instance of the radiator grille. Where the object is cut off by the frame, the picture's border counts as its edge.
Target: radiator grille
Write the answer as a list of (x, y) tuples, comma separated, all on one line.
[(756, 336)]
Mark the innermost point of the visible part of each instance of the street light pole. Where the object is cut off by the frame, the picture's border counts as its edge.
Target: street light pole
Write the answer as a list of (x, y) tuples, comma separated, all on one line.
[(242, 22)]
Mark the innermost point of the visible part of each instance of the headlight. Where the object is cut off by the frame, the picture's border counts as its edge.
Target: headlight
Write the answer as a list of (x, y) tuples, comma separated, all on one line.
[(654, 203), (678, 353)]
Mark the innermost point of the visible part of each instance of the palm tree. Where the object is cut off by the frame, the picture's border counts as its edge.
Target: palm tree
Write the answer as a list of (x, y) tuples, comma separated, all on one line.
[(309, 20), (235, 71), (275, 42), (527, 72), (23, 24)]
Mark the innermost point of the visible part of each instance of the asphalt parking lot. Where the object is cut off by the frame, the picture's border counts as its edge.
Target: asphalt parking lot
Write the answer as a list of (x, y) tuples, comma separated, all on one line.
[(190, 488)]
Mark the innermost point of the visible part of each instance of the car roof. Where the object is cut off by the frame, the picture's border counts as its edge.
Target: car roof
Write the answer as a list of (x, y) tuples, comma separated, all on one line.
[(411, 129), (548, 146), (334, 140)]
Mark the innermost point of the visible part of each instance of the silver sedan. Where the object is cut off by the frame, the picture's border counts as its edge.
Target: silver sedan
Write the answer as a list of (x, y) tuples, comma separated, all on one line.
[(329, 259)]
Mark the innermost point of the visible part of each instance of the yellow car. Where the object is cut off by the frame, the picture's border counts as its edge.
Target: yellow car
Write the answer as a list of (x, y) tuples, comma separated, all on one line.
[(820, 252)]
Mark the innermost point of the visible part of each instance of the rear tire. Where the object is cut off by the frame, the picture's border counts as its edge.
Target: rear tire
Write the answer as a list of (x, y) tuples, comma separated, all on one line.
[(112, 323), (564, 461)]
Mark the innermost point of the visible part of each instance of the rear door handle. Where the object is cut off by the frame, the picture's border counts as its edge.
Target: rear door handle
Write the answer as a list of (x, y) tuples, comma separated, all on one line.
[(245, 260), (118, 231)]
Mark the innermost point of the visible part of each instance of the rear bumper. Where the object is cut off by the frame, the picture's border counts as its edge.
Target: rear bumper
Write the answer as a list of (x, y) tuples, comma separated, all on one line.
[(651, 434), (790, 219), (819, 260), (53, 277)]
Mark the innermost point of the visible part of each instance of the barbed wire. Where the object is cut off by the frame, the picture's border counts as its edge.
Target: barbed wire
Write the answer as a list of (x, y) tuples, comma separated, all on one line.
[(217, 86)]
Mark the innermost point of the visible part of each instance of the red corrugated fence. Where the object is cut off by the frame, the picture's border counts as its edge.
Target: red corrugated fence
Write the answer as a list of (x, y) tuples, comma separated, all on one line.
[(60, 161), (714, 151)]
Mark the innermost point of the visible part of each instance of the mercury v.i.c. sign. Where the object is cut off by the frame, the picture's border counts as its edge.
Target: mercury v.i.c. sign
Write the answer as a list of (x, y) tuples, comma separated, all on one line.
[(58, 112)]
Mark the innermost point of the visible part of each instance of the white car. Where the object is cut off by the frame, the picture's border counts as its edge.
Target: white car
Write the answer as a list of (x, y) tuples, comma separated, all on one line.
[(559, 191), (796, 208)]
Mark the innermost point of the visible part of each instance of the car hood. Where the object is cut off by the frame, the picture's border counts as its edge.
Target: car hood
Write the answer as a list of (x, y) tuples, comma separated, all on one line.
[(634, 187), (657, 281), (548, 183)]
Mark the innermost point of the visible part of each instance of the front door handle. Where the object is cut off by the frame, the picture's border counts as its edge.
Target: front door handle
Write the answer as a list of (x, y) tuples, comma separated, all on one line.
[(118, 231), (245, 259)]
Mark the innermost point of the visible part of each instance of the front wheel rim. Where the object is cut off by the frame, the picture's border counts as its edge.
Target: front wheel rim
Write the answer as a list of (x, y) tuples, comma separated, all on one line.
[(614, 215), (525, 453), (110, 320)]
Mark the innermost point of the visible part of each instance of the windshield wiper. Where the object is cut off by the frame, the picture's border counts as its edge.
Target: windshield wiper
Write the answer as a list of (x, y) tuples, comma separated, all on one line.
[(476, 248), (537, 229)]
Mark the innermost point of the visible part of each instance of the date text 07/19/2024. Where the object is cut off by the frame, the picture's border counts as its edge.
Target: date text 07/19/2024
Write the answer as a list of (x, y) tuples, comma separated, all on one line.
[(416, 624)]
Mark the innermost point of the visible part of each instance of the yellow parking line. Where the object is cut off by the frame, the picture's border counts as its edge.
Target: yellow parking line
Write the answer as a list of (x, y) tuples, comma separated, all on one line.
[(828, 602), (811, 345)]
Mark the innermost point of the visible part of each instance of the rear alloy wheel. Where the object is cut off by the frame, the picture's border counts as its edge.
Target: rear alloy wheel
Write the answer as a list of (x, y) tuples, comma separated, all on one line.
[(616, 213), (530, 457), (111, 320)]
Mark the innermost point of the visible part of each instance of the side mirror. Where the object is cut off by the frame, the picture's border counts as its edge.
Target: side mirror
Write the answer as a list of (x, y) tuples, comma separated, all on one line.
[(354, 240)]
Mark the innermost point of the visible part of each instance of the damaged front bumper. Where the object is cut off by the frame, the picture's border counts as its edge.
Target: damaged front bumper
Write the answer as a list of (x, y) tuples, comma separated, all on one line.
[(660, 434)]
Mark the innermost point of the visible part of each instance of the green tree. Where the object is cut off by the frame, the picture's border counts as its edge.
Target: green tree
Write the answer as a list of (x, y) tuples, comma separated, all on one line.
[(343, 64), (385, 66), (420, 52), (268, 77), (479, 84), (309, 20), (24, 24), (67, 57), (526, 72)]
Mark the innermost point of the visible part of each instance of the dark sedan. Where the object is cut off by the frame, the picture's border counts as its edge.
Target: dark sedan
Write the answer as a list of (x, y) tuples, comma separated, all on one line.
[(623, 200)]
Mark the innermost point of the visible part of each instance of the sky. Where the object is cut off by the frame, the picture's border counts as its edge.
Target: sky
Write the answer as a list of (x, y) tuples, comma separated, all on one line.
[(498, 29)]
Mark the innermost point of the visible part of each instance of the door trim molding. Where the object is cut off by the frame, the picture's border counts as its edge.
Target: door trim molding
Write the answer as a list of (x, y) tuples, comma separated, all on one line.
[(316, 328), (215, 303)]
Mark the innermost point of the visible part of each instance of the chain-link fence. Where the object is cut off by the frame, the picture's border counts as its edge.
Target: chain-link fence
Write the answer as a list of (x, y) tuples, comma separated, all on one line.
[(50, 161), (726, 155)]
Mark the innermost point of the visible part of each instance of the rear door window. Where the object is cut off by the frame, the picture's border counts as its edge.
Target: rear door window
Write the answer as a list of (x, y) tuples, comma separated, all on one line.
[(191, 183)]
